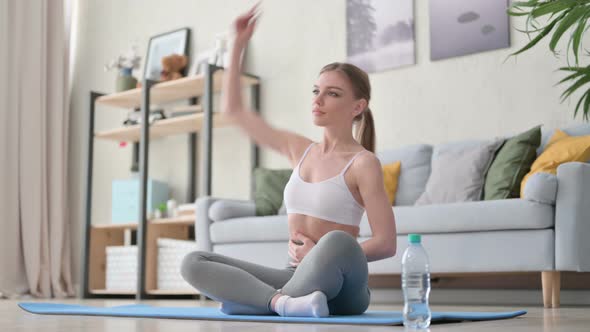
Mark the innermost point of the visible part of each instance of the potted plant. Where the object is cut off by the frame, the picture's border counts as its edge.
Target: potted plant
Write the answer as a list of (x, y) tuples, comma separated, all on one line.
[(125, 63), (161, 211), (559, 17)]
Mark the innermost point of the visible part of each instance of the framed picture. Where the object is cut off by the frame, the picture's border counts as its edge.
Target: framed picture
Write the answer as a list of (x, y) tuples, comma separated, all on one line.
[(380, 34), (173, 42), (459, 27)]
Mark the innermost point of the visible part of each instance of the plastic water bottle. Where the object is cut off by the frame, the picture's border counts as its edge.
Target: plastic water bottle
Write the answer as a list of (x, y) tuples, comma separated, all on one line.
[(416, 284)]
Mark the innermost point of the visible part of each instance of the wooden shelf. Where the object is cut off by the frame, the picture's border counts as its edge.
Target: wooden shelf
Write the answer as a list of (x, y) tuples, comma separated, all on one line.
[(166, 127), (188, 108), (182, 88), (180, 220), (101, 236), (186, 220), (106, 235)]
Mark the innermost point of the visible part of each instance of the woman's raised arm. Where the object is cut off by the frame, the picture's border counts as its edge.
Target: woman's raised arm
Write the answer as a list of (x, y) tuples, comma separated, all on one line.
[(285, 142)]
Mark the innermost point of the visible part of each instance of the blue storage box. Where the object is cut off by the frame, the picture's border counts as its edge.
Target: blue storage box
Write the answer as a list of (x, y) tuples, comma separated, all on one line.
[(125, 204)]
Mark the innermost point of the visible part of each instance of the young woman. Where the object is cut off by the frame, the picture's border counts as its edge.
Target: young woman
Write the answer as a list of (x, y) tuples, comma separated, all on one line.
[(333, 183)]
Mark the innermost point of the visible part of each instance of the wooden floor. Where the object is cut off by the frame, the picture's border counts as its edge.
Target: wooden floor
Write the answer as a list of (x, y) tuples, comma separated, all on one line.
[(12, 318)]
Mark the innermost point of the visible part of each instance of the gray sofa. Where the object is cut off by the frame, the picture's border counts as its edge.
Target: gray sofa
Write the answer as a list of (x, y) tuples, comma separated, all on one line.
[(510, 235)]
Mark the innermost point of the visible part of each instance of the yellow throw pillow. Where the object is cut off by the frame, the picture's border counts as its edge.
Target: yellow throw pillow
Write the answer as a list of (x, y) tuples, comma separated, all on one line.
[(560, 149), (390, 178)]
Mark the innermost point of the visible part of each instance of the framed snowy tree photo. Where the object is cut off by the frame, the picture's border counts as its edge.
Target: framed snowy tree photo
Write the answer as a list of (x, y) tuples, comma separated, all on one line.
[(380, 34)]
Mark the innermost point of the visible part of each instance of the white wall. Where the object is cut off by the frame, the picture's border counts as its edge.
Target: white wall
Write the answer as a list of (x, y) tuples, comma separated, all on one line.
[(475, 96)]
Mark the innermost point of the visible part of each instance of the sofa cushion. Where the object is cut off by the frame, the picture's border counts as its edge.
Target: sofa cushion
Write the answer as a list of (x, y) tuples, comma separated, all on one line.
[(512, 162), (250, 229), (415, 168), (390, 179), (504, 214), (443, 148), (495, 251), (488, 252), (269, 185), (561, 148), (574, 130), (458, 173)]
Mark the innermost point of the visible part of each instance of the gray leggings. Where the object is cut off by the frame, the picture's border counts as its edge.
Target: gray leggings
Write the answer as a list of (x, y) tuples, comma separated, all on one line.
[(336, 265)]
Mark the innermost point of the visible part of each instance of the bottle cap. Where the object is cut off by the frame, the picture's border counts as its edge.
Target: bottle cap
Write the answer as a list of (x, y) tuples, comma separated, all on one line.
[(414, 238)]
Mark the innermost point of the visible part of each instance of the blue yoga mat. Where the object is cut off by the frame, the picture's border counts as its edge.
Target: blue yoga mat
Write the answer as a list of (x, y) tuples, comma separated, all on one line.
[(370, 317)]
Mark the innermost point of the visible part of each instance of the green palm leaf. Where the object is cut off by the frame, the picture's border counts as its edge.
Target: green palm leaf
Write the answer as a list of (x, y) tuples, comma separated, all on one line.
[(572, 17), (540, 36), (562, 16), (577, 38), (580, 77), (552, 7)]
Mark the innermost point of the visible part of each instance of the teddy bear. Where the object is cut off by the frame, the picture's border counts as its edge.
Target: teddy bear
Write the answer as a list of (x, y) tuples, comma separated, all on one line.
[(172, 66)]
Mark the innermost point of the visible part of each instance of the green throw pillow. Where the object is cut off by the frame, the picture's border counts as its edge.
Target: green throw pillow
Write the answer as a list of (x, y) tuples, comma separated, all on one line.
[(269, 185), (511, 164)]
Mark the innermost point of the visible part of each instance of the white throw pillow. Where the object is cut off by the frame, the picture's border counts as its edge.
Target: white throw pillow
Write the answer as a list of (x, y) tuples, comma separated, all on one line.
[(458, 173)]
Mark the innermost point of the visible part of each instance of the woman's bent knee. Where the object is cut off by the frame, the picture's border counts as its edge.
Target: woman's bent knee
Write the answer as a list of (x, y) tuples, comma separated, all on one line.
[(190, 262), (336, 234), (340, 238)]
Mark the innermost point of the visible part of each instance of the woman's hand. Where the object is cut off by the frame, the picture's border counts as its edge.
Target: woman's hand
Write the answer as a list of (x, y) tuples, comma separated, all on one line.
[(244, 26), (299, 251)]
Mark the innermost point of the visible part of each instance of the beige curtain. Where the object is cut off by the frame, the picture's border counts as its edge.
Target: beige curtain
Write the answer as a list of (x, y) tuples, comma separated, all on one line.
[(35, 244)]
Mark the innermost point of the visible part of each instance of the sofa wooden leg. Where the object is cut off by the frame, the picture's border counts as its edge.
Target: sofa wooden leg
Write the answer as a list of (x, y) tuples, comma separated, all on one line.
[(556, 288), (546, 284), (551, 283)]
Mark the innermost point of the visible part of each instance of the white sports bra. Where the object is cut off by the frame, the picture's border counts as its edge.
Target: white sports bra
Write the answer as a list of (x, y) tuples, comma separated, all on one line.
[(329, 199)]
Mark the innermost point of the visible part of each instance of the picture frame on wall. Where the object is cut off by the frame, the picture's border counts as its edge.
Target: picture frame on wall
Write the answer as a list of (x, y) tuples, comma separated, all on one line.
[(380, 34), (459, 27), (159, 46)]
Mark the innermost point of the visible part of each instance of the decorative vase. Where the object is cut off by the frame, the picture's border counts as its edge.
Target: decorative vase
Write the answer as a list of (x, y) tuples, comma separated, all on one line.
[(219, 56), (125, 81)]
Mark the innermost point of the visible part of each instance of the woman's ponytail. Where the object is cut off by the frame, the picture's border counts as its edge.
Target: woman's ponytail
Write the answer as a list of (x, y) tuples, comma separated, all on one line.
[(365, 130)]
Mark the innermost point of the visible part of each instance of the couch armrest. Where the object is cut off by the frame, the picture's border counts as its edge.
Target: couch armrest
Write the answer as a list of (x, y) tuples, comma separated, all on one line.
[(209, 209), (224, 209), (202, 222), (572, 217)]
